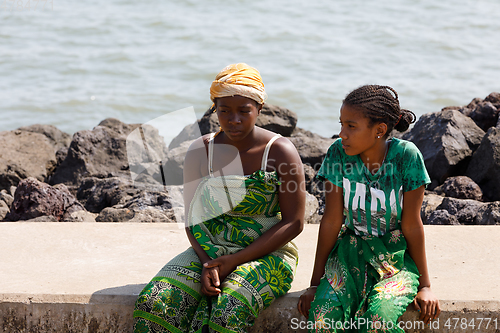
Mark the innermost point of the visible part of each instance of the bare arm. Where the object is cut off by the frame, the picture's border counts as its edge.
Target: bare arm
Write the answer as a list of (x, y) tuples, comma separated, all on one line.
[(328, 233), (192, 177), (196, 159), (413, 230)]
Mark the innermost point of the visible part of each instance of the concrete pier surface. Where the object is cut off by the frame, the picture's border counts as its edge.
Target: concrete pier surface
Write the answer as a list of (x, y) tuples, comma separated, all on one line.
[(85, 277)]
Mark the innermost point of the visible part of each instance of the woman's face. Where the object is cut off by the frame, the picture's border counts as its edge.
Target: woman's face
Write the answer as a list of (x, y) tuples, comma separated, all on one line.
[(237, 115), (358, 134)]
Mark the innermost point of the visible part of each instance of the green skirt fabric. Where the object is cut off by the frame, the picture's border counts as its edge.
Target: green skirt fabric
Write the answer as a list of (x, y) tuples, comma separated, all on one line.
[(226, 215), (368, 283)]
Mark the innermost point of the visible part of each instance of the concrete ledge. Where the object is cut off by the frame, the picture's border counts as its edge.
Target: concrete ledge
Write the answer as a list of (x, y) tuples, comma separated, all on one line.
[(85, 277)]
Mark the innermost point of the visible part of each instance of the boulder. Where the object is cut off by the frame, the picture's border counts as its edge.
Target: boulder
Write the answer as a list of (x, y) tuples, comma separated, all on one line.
[(61, 155), (442, 217), (454, 206), (430, 203), (4, 209), (277, 119), (45, 218), (207, 124), (471, 106), (314, 187), (460, 187), (111, 214), (57, 138), (312, 150), (6, 197), (489, 214), (485, 115), (147, 206), (34, 199), (484, 112), (174, 165), (148, 214), (311, 212), (472, 212), (25, 154), (447, 140), (272, 117), (80, 216), (484, 167), (105, 152), (96, 194)]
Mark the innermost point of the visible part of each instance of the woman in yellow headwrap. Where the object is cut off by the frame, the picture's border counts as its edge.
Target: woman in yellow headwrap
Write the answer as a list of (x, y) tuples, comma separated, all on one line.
[(244, 195)]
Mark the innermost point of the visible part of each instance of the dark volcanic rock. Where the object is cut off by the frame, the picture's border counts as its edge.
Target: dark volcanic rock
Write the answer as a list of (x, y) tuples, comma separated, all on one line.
[(147, 206), (58, 138), (464, 210), (315, 187), (34, 199), (311, 211), (4, 209), (484, 168), (446, 139), (484, 112), (96, 194), (460, 187), (6, 197), (111, 149), (442, 217), (111, 214), (485, 115), (312, 150), (25, 154), (45, 218), (207, 124), (277, 119), (472, 212), (174, 165), (430, 203), (489, 214)]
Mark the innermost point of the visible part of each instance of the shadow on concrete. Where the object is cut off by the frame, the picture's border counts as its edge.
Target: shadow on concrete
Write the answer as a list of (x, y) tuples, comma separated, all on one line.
[(126, 295)]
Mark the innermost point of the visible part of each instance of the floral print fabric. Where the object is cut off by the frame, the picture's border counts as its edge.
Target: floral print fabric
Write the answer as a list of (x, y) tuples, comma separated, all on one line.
[(226, 215), (369, 281)]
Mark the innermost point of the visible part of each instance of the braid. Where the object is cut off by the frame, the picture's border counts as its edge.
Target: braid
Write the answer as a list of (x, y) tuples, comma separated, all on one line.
[(381, 104)]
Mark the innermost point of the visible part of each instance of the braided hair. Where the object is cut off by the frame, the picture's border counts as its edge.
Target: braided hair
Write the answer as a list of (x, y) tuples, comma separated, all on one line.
[(380, 104)]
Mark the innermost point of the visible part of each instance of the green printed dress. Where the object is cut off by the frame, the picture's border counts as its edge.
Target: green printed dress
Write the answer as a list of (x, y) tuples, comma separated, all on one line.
[(226, 215), (369, 276)]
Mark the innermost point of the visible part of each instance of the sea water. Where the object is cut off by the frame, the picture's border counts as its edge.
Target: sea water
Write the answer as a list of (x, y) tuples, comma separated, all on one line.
[(74, 63)]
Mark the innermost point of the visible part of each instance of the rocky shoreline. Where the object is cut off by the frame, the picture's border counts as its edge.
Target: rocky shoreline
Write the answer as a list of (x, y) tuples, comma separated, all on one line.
[(47, 175)]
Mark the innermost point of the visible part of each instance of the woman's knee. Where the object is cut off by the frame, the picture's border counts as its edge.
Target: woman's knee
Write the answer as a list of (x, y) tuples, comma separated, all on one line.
[(231, 313)]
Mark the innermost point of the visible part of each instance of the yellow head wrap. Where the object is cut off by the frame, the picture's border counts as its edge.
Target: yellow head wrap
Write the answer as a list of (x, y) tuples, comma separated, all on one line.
[(239, 79)]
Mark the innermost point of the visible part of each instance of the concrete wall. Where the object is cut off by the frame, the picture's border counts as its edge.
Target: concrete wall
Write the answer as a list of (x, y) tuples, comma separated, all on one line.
[(85, 277)]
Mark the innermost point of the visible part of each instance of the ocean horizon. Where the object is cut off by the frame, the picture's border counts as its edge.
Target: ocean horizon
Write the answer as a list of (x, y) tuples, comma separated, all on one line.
[(73, 64)]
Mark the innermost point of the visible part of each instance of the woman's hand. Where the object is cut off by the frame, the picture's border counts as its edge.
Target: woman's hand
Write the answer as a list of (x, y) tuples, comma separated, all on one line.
[(210, 281), (217, 270), (305, 301), (427, 304)]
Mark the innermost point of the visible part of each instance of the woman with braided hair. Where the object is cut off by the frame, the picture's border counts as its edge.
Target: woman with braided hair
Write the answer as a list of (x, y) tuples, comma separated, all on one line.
[(364, 278), (244, 195)]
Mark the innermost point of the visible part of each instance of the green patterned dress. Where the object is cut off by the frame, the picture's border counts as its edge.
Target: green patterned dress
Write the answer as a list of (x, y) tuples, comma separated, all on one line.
[(369, 276), (226, 215)]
